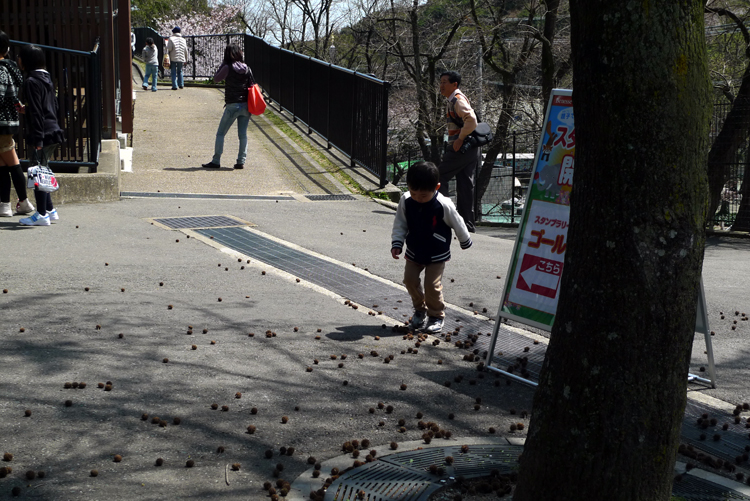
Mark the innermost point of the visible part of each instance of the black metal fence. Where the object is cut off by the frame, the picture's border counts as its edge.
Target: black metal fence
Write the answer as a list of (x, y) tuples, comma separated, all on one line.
[(348, 109), (141, 34), (77, 76), (737, 183)]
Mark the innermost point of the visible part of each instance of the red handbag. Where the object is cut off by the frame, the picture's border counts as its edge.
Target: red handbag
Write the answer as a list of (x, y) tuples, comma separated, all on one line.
[(255, 102)]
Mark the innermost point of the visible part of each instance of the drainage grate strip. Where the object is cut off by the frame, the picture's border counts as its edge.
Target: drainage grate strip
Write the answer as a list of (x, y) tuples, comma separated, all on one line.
[(193, 222), (728, 445), (208, 196), (321, 198), (381, 297), (691, 488)]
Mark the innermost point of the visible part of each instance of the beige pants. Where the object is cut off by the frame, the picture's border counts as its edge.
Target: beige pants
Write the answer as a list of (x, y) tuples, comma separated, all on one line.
[(429, 298), (6, 143)]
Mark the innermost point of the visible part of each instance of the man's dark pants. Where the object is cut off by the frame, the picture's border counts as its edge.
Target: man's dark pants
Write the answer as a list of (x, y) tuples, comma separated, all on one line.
[(462, 166)]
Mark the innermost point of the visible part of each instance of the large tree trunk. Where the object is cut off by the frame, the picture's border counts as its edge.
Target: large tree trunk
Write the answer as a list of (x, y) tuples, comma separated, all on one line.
[(612, 391)]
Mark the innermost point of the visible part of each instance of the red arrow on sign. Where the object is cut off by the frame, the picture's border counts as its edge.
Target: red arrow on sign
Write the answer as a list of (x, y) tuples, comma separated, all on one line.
[(539, 275)]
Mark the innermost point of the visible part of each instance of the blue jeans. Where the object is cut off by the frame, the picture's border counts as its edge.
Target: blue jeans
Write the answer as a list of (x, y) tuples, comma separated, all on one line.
[(176, 69), (232, 112), (152, 70)]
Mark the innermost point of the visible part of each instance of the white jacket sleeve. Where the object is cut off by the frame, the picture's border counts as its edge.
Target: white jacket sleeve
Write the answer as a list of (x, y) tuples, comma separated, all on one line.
[(400, 226), (455, 221)]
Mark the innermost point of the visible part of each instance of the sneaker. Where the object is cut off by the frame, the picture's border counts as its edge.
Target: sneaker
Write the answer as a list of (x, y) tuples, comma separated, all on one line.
[(5, 210), (53, 216), (145, 87), (35, 220), (24, 207), (211, 165), (417, 320), (239, 166), (434, 325)]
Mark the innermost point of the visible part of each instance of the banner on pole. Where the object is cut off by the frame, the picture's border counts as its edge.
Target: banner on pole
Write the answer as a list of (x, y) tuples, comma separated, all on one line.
[(532, 285)]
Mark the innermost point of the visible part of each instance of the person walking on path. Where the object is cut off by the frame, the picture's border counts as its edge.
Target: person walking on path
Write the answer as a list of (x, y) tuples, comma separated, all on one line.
[(151, 56), (10, 168), (461, 122), (44, 133), (424, 220), (238, 78), (178, 56)]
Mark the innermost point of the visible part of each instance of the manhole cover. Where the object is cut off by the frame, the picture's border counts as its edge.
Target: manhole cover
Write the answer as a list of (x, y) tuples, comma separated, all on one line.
[(194, 222), (406, 475), (320, 198)]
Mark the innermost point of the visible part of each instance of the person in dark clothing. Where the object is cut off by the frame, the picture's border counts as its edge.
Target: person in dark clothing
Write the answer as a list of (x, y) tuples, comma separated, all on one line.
[(461, 121), (44, 133), (238, 78), (10, 168), (424, 220)]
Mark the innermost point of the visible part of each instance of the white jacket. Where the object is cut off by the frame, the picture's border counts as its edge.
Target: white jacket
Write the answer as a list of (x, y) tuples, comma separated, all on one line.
[(177, 49)]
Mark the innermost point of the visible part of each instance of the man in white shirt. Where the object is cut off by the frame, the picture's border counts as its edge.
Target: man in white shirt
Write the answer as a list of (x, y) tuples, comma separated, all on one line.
[(178, 55)]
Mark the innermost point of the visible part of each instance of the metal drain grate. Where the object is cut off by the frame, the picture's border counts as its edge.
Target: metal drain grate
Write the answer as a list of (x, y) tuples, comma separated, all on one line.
[(732, 441), (194, 222), (321, 198), (381, 482), (205, 196), (697, 489), (379, 296), (406, 475)]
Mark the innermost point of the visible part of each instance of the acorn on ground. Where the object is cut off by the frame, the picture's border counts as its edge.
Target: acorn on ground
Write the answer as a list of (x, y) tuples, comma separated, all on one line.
[(254, 410), (94, 473), (117, 458), (236, 467), (189, 463), (284, 419), (159, 461)]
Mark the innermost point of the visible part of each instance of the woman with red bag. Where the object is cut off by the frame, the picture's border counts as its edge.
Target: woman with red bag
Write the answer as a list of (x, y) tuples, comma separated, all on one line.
[(238, 78)]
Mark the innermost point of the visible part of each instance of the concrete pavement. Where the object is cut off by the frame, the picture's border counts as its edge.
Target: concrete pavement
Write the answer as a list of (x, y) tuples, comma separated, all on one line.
[(54, 330)]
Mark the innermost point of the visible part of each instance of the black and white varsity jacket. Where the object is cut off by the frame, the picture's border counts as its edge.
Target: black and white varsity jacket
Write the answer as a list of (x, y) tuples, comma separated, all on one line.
[(426, 229), (10, 86)]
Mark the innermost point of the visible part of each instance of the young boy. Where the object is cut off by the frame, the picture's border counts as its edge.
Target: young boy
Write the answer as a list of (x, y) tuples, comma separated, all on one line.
[(424, 221), (151, 56)]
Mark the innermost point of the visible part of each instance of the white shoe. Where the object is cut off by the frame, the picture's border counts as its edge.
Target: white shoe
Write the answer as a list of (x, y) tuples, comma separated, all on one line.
[(53, 216), (35, 220), (5, 210), (24, 207)]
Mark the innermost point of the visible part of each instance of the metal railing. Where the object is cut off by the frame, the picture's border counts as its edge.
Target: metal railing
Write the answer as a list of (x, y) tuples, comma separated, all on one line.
[(348, 109), (77, 78), (736, 185)]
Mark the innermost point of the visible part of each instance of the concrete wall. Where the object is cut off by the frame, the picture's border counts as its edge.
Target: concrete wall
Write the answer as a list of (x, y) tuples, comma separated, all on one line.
[(104, 186)]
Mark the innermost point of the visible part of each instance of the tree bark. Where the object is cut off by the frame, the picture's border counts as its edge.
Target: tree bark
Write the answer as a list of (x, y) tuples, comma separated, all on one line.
[(608, 410)]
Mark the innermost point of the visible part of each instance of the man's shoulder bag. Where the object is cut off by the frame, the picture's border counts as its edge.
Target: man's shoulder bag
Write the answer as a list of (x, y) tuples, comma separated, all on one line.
[(479, 137)]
